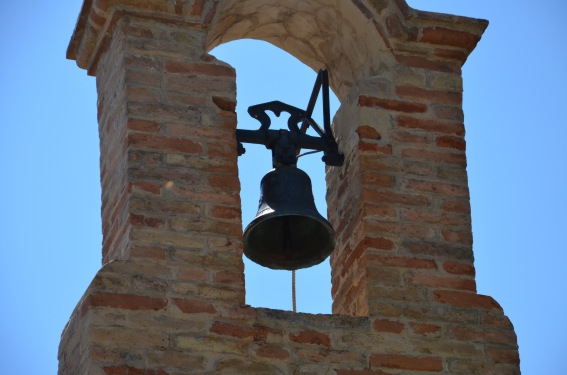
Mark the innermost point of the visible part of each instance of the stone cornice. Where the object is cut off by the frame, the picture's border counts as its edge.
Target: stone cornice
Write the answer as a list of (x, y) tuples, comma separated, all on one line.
[(98, 18), (404, 30)]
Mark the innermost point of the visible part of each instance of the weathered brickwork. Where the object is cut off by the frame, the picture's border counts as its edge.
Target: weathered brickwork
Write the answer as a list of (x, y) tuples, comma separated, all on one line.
[(170, 297)]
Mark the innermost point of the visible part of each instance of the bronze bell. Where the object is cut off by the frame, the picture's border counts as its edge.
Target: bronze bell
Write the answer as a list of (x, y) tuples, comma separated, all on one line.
[(288, 233)]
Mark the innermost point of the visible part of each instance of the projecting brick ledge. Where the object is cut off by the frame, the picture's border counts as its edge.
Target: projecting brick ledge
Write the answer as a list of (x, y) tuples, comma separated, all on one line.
[(170, 323)]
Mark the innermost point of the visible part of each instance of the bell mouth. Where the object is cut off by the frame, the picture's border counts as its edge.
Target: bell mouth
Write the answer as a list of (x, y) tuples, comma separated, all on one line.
[(283, 241)]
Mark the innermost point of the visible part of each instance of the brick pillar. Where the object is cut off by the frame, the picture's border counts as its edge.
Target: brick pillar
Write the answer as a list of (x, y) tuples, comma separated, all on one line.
[(167, 124), (172, 230), (168, 162), (402, 204)]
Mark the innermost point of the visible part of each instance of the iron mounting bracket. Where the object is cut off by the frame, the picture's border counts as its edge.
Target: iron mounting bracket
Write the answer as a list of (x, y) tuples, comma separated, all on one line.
[(286, 144)]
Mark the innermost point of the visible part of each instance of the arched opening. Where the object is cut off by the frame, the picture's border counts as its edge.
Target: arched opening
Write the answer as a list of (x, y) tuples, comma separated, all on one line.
[(266, 73), (341, 36)]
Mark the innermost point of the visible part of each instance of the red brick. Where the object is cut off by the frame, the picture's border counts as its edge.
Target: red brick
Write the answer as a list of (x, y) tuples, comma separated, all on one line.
[(383, 276), (191, 306), (500, 355), (210, 14), (190, 99), (362, 372), (399, 261), (458, 268), (327, 356), (124, 301), (375, 225), (197, 8), (219, 150), (165, 143), (439, 97), (147, 187), (380, 243), (141, 62), (451, 54), (375, 162), (380, 210), (145, 221), (412, 137), (448, 37), (431, 217), (451, 142), (241, 332), (224, 104), (449, 113), (395, 26), (464, 237), (437, 187), (425, 63), (198, 68), (271, 351), (178, 7), (424, 247), (155, 205), (224, 181), (143, 125), (447, 127), (394, 197), (311, 337), (142, 94), (229, 277), (194, 273), (497, 320), (224, 212), (424, 329), (407, 362), (493, 336), (466, 299), (142, 77), (457, 206), (383, 325), (377, 179), (149, 252), (374, 147), (443, 282), (127, 370), (366, 131), (115, 370), (435, 157), (353, 256), (394, 105)]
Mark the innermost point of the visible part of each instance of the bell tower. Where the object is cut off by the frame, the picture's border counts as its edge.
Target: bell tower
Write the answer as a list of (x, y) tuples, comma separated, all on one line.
[(170, 297)]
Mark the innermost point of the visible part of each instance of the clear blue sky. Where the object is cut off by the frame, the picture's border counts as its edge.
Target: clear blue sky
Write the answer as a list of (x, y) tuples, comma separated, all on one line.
[(50, 231)]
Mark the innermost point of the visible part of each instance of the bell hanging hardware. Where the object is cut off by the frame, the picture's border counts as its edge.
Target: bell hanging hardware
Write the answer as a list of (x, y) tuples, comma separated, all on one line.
[(288, 232), (286, 144)]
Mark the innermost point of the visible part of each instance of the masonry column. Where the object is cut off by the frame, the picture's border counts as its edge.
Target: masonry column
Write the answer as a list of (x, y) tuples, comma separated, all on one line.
[(170, 190), (167, 121), (401, 207), (401, 204)]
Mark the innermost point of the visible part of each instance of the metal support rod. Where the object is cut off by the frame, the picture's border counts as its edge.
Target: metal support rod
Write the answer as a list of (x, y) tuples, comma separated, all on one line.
[(312, 101), (326, 108), (321, 81)]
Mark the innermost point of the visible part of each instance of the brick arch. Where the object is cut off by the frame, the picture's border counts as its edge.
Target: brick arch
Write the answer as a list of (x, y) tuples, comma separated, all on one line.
[(341, 36)]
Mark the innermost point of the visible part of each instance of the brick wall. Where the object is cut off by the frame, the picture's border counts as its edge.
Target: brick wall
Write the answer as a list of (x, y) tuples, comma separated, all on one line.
[(170, 297)]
